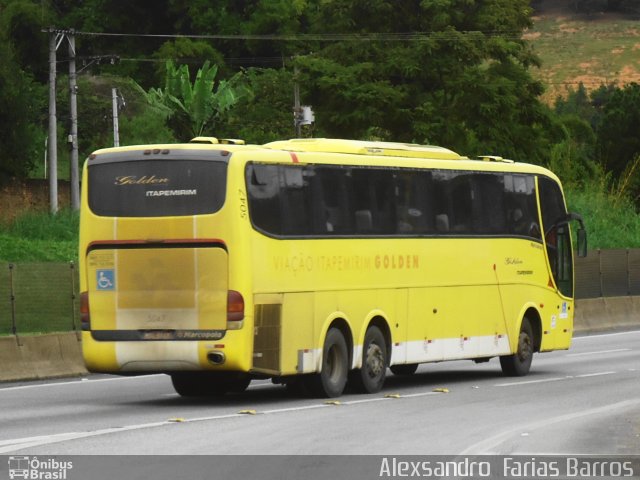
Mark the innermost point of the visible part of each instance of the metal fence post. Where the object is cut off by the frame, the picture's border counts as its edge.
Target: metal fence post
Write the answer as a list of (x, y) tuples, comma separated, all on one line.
[(600, 273), (72, 269), (14, 326), (628, 275)]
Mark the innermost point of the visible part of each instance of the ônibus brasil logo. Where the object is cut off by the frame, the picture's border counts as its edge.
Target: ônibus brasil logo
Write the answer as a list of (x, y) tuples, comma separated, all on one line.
[(38, 469)]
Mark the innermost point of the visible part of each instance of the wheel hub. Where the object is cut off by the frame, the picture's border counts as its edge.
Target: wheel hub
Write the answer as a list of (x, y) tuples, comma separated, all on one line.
[(374, 360)]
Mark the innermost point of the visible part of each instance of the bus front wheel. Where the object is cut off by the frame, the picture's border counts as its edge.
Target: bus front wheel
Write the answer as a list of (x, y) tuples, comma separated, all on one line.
[(519, 364), (331, 380), (370, 378)]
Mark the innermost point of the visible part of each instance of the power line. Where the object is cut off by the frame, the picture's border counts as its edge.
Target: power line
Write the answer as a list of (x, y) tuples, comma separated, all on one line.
[(198, 61), (327, 37)]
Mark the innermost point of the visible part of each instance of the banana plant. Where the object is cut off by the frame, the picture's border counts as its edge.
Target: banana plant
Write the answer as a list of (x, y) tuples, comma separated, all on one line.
[(194, 107)]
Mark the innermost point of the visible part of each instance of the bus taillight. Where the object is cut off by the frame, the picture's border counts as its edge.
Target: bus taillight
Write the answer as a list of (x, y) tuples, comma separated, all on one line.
[(235, 310), (85, 318)]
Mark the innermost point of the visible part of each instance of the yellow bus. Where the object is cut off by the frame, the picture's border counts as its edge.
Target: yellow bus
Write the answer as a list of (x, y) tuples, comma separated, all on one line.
[(317, 262)]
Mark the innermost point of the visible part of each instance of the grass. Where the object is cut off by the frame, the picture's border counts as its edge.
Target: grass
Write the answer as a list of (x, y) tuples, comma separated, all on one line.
[(610, 222), (40, 237), (603, 49), (42, 282)]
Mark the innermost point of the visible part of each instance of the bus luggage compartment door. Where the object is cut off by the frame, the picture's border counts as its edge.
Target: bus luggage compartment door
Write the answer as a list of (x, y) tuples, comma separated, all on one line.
[(162, 291)]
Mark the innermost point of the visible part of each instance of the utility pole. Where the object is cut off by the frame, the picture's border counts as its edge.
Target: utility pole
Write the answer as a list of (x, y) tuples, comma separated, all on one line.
[(55, 39), (297, 111), (115, 105), (302, 114), (73, 137), (53, 140)]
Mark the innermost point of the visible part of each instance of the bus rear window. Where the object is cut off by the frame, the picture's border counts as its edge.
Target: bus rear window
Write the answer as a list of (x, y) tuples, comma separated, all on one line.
[(157, 188)]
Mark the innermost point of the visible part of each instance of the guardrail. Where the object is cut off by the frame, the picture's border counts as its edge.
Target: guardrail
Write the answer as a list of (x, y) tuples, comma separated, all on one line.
[(43, 297), (38, 298), (608, 273)]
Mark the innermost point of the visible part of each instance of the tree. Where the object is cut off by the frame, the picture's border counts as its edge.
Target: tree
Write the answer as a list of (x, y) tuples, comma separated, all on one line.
[(265, 115), (193, 107), (22, 22), (458, 76), (22, 141), (618, 136), (189, 52), (589, 6)]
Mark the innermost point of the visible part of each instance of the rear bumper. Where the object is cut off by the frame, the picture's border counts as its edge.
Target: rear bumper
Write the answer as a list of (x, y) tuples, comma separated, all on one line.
[(161, 356)]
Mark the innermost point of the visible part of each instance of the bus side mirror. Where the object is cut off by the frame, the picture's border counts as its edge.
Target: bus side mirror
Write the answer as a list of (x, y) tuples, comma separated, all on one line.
[(582, 242)]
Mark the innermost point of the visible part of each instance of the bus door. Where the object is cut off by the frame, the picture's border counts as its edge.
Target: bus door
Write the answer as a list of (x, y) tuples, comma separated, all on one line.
[(557, 236), (557, 240)]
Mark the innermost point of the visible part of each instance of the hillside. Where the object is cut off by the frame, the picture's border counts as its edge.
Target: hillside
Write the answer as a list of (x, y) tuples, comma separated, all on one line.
[(592, 49)]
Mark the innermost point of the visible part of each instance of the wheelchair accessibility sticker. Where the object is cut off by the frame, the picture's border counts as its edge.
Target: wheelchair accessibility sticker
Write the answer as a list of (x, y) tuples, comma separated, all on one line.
[(564, 311), (105, 279)]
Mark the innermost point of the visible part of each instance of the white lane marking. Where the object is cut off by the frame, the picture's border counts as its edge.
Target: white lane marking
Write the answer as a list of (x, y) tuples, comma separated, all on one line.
[(489, 445), (21, 443), (599, 352), (15, 444), (554, 379), (294, 409), (585, 375), (366, 400), (82, 381), (412, 395), (527, 382), (600, 335)]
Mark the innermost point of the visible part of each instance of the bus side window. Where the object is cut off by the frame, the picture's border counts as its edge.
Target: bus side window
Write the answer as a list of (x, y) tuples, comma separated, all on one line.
[(298, 214), (413, 208), (363, 200), (488, 204), (264, 199), (521, 206), (333, 197), (442, 222), (462, 199), (441, 200)]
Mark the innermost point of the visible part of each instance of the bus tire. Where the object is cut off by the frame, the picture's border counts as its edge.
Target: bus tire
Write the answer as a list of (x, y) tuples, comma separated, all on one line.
[(208, 384), (370, 378), (236, 383), (519, 364), (331, 380), (404, 369), (188, 384)]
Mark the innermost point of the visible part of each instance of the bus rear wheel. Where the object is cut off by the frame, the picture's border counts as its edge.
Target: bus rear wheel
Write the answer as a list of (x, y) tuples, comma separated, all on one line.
[(370, 378), (331, 380), (519, 364), (208, 384)]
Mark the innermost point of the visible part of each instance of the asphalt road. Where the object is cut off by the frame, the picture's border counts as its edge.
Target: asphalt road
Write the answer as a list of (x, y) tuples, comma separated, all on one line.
[(582, 401)]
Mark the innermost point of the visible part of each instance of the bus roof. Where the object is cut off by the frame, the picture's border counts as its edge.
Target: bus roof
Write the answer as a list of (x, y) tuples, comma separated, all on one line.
[(359, 147), (230, 147), (376, 152)]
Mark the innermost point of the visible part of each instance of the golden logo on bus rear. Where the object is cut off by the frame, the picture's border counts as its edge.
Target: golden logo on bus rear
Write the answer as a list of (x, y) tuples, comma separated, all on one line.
[(143, 180)]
